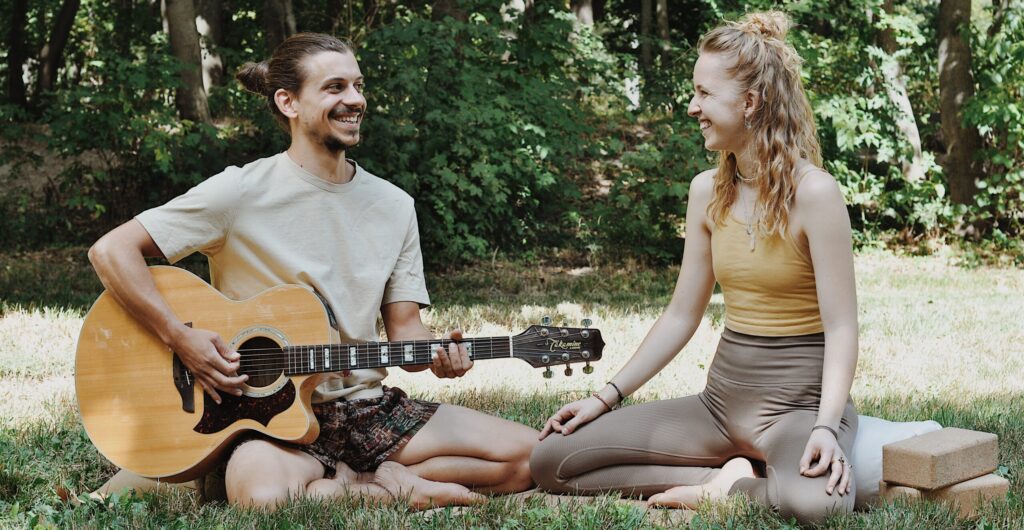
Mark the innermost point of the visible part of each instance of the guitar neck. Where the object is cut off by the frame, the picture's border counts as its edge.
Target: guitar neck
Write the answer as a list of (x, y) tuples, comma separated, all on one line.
[(323, 358)]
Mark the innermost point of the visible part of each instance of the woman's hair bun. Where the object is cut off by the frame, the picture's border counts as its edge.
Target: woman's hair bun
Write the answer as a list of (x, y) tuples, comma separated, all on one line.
[(253, 77), (769, 24)]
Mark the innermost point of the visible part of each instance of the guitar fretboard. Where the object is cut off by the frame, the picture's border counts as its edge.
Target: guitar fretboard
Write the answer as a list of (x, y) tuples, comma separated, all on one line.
[(337, 357)]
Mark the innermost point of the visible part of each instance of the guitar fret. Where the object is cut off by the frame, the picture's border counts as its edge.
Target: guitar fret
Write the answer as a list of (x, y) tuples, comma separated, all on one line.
[(305, 359)]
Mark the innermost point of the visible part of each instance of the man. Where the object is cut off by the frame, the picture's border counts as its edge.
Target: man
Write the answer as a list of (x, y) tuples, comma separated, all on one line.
[(310, 216)]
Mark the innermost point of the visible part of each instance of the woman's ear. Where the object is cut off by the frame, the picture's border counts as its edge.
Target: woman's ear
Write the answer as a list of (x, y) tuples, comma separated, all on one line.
[(751, 103), (286, 103)]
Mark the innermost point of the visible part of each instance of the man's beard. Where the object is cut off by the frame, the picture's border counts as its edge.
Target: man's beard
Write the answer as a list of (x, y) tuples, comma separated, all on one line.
[(335, 144)]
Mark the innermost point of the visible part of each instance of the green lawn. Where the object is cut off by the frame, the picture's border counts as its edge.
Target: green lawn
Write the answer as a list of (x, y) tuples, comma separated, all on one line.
[(937, 341)]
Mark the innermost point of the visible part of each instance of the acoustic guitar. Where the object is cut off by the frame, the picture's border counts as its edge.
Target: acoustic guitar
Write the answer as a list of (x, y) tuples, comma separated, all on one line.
[(144, 411)]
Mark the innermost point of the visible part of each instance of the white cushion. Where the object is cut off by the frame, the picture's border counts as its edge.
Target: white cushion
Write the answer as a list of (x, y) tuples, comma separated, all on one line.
[(872, 434)]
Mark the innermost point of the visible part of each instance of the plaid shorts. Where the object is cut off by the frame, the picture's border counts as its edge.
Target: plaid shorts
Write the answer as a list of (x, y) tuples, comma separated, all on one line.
[(363, 433)]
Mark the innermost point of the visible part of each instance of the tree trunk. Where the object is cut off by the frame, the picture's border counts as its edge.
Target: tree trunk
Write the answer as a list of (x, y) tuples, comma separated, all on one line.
[(181, 26), (956, 87), (1000, 7), (53, 52), (278, 22), (16, 53), (123, 26), (584, 10), (645, 36), (896, 88), (448, 8), (663, 33), (210, 23)]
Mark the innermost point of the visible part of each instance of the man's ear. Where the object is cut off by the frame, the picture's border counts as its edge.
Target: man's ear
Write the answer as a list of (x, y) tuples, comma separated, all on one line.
[(286, 103)]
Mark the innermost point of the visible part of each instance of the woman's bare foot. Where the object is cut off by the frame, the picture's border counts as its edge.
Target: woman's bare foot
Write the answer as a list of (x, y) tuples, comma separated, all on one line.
[(421, 493), (716, 489)]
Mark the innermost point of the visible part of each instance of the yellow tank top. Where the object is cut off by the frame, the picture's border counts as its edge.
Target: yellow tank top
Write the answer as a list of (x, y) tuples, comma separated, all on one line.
[(768, 292)]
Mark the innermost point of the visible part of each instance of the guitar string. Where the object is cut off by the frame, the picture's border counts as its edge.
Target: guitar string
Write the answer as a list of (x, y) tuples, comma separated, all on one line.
[(393, 347), (300, 359), (371, 360)]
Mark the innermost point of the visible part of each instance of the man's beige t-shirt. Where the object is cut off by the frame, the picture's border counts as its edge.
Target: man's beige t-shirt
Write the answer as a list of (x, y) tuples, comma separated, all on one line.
[(271, 222)]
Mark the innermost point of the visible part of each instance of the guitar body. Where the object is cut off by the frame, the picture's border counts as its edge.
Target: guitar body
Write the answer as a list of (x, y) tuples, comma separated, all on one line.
[(147, 414)]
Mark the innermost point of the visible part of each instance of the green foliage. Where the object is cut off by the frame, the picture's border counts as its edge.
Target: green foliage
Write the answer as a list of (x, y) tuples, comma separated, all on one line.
[(124, 143), (997, 110), (524, 133), (643, 215), (480, 128)]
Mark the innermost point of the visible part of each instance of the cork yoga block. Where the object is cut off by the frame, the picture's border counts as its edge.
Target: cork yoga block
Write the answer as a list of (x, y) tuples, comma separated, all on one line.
[(939, 459), (967, 496)]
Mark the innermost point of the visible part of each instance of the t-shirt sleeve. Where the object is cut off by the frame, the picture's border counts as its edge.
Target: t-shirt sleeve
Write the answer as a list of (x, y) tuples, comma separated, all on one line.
[(406, 283), (198, 220)]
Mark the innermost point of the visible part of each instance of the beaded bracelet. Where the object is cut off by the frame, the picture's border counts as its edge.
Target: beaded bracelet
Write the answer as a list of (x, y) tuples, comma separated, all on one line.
[(601, 399), (617, 391), (827, 428)]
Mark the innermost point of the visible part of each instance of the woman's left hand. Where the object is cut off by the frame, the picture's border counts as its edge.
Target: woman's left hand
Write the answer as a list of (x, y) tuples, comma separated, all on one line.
[(824, 452)]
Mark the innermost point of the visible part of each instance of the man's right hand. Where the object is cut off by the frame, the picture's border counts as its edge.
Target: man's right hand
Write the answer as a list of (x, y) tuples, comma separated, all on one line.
[(211, 361)]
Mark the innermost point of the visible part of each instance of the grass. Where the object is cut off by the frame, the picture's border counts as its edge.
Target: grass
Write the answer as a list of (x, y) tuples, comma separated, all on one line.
[(937, 341)]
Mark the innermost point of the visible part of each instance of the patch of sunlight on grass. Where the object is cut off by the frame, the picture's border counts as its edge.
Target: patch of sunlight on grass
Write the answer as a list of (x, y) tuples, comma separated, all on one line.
[(38, 342)]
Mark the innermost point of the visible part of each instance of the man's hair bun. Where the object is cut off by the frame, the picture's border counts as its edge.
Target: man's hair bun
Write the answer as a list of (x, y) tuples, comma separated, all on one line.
[(253, 77)]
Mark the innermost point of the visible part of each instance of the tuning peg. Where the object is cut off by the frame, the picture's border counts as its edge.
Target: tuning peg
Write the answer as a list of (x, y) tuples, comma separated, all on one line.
[(587, 369), (548, 373), (545, 321), (587, 322), (568, 370)]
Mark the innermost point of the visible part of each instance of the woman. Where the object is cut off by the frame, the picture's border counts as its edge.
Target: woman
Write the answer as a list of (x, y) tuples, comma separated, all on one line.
[(771, 227)]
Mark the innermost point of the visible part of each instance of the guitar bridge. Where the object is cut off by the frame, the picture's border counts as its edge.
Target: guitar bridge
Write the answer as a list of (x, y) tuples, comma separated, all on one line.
[(184, 382)]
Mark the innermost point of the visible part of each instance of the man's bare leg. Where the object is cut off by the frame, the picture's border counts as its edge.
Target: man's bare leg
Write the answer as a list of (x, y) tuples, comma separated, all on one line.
[(264, 474), (124, 481), (468, 447)]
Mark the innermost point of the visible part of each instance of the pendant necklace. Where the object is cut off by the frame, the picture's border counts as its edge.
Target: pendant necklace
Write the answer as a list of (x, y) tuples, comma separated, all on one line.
[(750, 219)]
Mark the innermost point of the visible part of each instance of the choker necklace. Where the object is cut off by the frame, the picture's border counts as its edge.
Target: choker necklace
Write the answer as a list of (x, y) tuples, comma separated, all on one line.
[(745, 180)]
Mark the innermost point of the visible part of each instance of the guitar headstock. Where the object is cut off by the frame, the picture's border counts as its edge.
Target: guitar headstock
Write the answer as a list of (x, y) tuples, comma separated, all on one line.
[(543, 346)]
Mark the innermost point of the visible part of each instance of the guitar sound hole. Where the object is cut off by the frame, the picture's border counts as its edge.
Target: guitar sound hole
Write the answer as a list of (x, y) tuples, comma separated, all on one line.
[(262, 360)]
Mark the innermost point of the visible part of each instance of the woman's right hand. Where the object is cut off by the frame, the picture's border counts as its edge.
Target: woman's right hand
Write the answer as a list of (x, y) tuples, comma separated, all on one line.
[(573, 415)]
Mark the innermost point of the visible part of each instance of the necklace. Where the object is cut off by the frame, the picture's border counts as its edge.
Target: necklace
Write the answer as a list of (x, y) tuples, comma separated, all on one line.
[(750, 224), (750, 230)]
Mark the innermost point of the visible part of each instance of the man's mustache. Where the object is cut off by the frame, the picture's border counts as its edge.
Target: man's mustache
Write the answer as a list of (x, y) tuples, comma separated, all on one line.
[(336, 112)]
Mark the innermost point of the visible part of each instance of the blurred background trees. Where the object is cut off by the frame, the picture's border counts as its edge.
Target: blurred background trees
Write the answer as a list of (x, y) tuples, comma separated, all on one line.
[(536, 128)]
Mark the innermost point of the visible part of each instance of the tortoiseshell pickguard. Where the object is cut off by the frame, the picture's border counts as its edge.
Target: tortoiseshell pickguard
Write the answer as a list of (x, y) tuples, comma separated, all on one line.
[(233, 408)]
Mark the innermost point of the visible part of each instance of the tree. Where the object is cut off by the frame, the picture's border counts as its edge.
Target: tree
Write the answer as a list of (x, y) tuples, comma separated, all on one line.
[(210, 23), (278, 22), (53, 52), (646, 16), (584, 11), (184, 37), (663, 32), (956, 87), (16, 52), (896, 88)]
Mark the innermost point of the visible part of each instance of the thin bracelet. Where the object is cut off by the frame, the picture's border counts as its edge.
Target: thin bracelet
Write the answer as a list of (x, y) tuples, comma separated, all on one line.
[(617, 391), (601, 399), (827, 428)]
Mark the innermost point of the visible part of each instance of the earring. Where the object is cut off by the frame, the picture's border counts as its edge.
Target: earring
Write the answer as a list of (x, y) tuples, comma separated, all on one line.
[(746, 122)]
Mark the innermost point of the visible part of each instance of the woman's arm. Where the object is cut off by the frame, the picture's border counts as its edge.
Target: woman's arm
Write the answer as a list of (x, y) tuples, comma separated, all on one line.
[(673, 328), (694, 285), (822, 214)]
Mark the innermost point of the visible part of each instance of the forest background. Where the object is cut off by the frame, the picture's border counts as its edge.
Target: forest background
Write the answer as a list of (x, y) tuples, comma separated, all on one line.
[(524, 128)]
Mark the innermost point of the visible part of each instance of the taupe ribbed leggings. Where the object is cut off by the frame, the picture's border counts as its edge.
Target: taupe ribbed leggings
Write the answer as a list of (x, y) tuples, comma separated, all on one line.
[(760, 402)]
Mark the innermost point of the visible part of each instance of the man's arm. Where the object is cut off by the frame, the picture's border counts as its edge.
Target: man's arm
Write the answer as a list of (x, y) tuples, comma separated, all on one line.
[(119, 260), (402, 322)]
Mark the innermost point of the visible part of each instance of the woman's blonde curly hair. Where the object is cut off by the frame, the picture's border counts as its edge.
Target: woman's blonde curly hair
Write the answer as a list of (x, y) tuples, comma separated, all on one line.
[(782, 128)]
